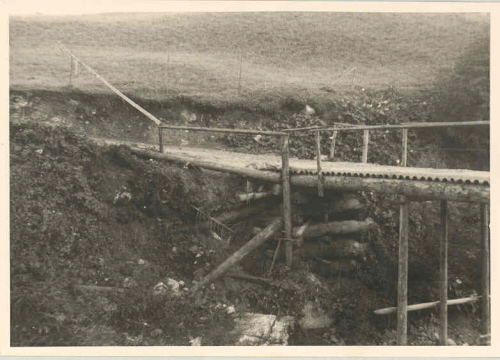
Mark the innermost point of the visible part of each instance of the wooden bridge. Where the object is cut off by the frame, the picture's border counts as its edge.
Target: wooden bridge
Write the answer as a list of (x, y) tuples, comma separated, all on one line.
[(413, 184)]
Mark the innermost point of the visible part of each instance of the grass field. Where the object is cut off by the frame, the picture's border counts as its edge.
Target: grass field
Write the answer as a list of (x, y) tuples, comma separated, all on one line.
[(198, 55)]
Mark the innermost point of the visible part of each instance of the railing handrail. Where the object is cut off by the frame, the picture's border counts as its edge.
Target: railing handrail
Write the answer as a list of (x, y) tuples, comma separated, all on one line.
[(225, 130), (399, 126)]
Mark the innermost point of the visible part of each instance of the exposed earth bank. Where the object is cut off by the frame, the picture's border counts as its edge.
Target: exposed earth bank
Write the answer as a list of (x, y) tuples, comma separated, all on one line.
[(104, 245)]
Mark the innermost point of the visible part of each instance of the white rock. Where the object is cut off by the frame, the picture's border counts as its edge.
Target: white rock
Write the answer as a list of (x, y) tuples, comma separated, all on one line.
[(260, 329), (122, 198), (141, 262), (230, 310), (195, 341), (257, 138), (173, 286), (309, 110), (314, 317)]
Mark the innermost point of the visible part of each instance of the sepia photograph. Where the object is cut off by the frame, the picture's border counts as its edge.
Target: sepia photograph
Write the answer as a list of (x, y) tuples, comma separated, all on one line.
[(182, 176)]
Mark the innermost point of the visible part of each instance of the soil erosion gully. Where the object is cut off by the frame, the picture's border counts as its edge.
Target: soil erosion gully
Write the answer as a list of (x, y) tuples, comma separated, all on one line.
[(412, 184)]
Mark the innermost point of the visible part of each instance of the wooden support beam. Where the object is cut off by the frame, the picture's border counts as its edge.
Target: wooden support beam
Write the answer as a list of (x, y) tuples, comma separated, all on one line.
[(254, 243), (287, 202), (332, 146), (485, 275), (335, 228), (419, 190), (428, 305), (254, 196), (160, 139), (318, 163), (403, 276), (366, 140), (443, 275), (242, 212)]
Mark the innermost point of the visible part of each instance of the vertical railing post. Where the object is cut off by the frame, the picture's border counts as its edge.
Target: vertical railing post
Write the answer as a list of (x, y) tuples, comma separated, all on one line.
[(318, 163), (402, 328), (287, 203), (366, 140), (332, 146), (485, 277), (160, 138), (404, 156), (443, 275)]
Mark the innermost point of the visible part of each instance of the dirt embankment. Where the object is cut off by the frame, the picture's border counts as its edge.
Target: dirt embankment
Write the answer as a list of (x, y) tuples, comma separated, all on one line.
[(95, 230)]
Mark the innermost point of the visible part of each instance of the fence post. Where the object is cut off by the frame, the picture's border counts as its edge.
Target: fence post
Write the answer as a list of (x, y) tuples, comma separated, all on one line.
[(239, 77), (443, 275), (485, 277), (160, 138), (403, 261), (366, 139), (318, 163), (287, 202)]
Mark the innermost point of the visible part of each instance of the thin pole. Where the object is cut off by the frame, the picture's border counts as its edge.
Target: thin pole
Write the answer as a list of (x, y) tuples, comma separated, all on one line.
[(318, 163), (239, 77), (404, 156), (366, 139), (403, 275), (403, 261), (160, 138), (332, 146), (115, 90), (485, 276), (287, 202), (70, 70), (443, 306)]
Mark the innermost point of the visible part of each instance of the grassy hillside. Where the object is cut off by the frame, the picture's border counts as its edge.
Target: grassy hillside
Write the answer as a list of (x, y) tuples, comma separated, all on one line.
[(305, 54)]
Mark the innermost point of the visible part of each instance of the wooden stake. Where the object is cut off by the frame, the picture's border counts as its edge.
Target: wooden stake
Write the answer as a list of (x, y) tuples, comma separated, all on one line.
[(287, 201), (256, 241), (404, 156), (332, 146), (443, 307), (366, 139), (403, 276), (485, 275), (160, 139), (239, 77), (318, 162)]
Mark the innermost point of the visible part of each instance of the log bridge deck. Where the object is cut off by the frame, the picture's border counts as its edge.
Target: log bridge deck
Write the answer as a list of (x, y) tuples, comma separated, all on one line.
[(416, 183)]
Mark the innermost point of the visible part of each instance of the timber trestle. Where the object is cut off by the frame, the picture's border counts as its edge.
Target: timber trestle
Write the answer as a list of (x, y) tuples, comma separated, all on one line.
[(413, 184)]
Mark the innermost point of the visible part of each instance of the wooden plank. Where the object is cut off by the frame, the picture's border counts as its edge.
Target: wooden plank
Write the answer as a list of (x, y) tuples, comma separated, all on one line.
[(485, 275), (443, 276), (366, 140), (160, 139), (332, 146), (336, 228), (417, 190), (318, 164), (428, 305), (115, 90), (287, 200), (225, 130), (255, 242), (402, 327)]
